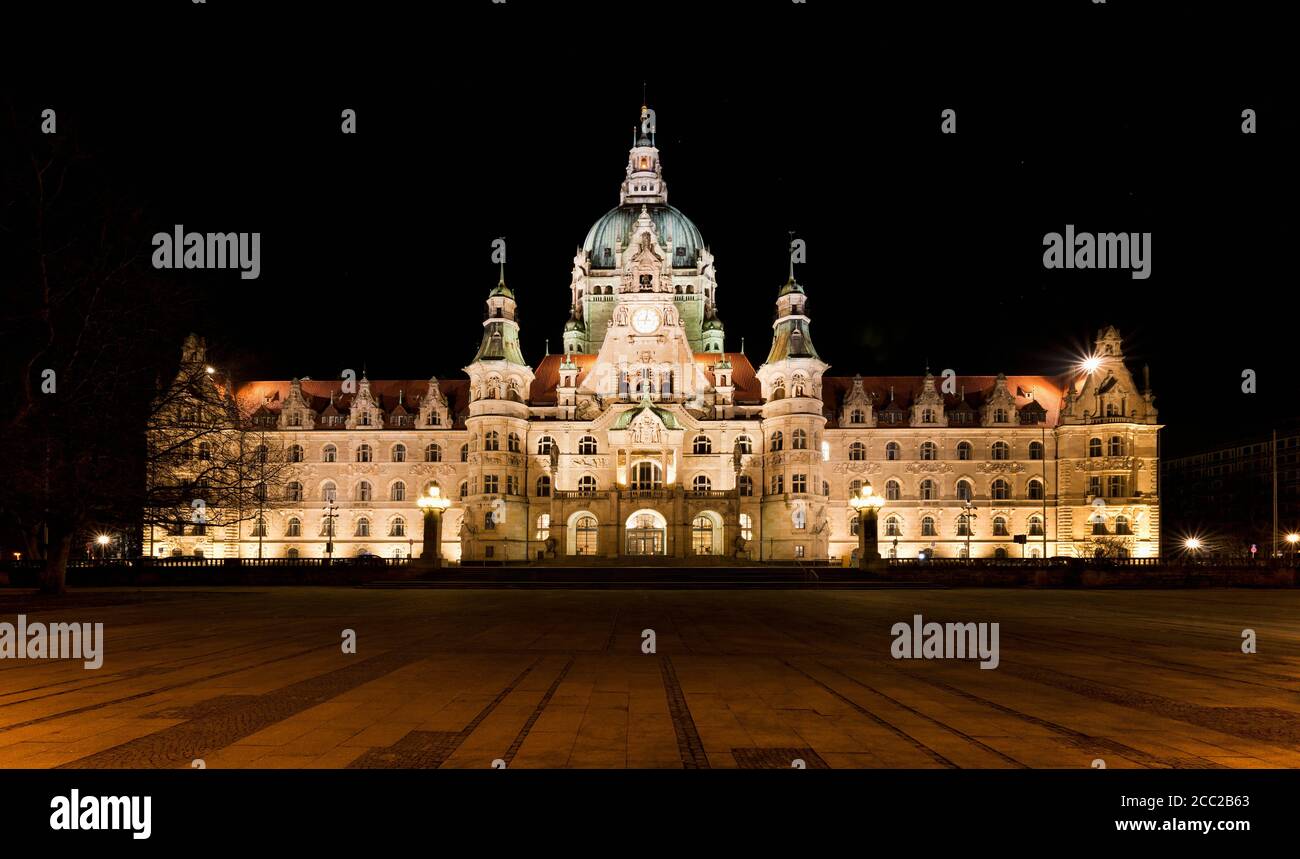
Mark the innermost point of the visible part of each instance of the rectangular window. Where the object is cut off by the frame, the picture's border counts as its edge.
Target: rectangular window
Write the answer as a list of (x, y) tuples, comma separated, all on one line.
[(798, 551), (799, 483), (490, 484)]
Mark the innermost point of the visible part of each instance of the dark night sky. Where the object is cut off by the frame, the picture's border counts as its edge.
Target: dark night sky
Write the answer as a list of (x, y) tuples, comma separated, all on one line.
[(376, 247)]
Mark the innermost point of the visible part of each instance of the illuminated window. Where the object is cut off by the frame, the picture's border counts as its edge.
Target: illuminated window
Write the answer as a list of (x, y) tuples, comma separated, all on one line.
[(364, 453)]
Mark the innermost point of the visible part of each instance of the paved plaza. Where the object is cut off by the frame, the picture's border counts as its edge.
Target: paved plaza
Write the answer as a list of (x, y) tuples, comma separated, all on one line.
[(257, 677)]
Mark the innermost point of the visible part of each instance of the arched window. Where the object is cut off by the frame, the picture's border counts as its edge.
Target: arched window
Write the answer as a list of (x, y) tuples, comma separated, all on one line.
[(544, 487), (893, 490), (702, 445), (893, 452), (363, 491), (777, 442), (745, 443), (745, 484), (587, 484), (259, 527), (857, 451), (855, 522), (397, 492), (893, 527), (1001, 450), (799, 440), (1001, 490), (259, 491), (397, 528), (464, 453), (491, 440), (929, 491), (964, 451), (1035, 450), (855, 487), (364, 453), (294, 528), (778, 390), (295, 453), (647, 475), (1035, 526), (1115, 446), (999, 552), (927, 527), (702, 535), (293, 491), (584, 535), (363, 527), (587, 445), (330, 453), (543, 531), (1094, 447), (1121, 525), (929, 450), (432, 453), (965, 491), (291, 553), (1035, 490), (701, 483), (512, 443), (544, 445), (999, 526), (963, 526), (328, 492)]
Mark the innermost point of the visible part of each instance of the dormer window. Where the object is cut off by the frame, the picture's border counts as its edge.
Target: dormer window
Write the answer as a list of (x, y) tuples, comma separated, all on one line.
[(365, 419)]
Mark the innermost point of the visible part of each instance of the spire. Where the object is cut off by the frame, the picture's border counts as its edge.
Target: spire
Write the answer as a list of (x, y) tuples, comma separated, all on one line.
[(500, 328), (790, 332), (645, 181)]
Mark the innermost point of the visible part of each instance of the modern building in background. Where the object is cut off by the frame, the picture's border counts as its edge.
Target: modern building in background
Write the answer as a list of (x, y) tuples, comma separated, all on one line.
[(647, 437), (1225, 495)]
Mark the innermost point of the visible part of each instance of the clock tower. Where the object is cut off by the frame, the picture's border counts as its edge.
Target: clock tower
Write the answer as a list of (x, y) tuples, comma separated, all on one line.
[(646, 351)]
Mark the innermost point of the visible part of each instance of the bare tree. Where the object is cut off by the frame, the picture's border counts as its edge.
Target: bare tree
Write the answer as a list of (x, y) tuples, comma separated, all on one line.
[(86, 325), (211, 460)]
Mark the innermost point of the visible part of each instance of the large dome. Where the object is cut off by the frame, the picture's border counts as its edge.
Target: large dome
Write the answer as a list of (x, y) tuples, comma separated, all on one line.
[(613, 227)]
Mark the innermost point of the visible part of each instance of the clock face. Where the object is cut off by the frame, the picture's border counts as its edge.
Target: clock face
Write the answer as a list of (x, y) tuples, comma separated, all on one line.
[(645, 320)]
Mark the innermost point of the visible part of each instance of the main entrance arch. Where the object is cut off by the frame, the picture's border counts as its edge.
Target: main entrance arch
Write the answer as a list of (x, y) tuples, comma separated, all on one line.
[(647, 532)]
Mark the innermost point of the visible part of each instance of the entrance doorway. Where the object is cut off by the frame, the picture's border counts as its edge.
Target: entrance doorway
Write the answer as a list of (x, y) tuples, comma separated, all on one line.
[(646, 533)]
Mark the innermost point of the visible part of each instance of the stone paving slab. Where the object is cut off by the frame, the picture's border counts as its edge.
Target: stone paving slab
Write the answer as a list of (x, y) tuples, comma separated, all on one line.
[(256, 677)]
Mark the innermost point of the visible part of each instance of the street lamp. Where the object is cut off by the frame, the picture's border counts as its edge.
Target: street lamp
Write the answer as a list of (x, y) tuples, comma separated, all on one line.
[(867, 505), (103, 540), (432, 504), (969, 518), (1291, 540), (330, 516)]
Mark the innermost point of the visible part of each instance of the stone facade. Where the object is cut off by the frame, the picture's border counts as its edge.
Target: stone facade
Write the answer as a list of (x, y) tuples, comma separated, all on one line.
[(646, 437)]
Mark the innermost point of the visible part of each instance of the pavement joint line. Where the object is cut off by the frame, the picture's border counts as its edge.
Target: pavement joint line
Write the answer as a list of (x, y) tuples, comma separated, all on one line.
[(913, 741), (689, 745), (967, 737), (1078, 739), (536, 714), (180, 744)]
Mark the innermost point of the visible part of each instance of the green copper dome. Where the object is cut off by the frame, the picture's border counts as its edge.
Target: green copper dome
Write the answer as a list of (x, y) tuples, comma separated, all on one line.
[(605, 236)]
